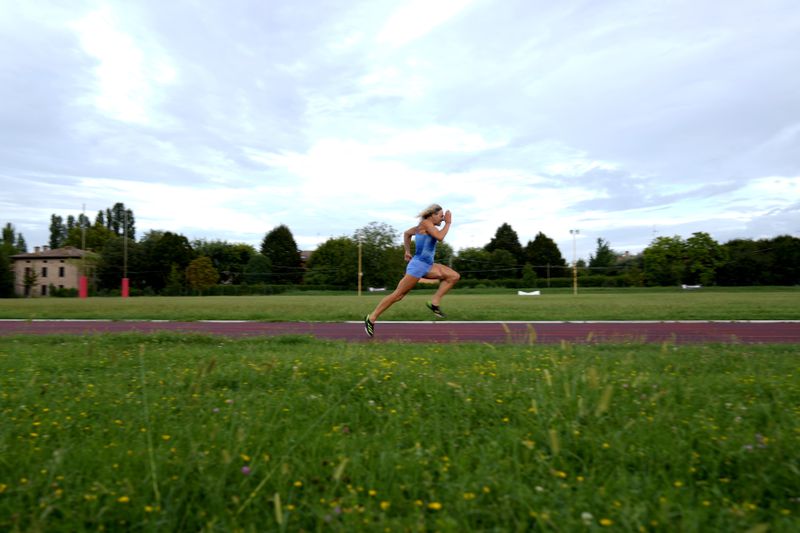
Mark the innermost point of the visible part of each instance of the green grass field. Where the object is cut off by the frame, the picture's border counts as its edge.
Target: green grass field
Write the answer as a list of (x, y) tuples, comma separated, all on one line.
[(555, 304), (192, 433)]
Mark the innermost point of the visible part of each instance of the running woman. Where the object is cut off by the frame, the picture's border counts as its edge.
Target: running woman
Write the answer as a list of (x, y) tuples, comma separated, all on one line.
[(421, 266)]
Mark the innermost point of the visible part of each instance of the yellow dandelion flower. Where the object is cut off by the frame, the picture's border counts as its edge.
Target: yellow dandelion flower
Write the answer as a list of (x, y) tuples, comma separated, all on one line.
[(123, 499), (486, 490), (298, 484), (385, 505), (435, 506), (418, 503), (678, 484), (245, 457), (706, 503), (469, 496), (606, 445), (606, 522), (372, 492), (3, 487), (165, 437)]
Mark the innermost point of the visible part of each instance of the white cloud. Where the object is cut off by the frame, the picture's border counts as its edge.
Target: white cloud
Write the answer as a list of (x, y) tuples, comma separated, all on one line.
[(417, 18), (225, 120), (129, 71)]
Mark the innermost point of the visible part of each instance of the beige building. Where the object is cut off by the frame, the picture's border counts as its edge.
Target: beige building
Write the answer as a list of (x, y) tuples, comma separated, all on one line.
[(45, 269)]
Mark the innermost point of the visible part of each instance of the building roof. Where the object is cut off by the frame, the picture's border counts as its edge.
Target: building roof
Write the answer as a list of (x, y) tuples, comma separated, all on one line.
[(67, 252)]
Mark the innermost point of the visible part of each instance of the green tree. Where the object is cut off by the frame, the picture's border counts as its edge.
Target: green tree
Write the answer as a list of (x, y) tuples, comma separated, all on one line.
[(58, 231), (229, 259), (175, 282), (664, 261), (604, 258), (201, 274), (94, 237), (334, 262), (505, 238), (281, 249), (111, 264), (119, 220), (786, 266), (13, 242), (703, 256), (29, 281), (747, 261), (529, 276), (258, 269), (504, 265), (163, 252), (381, 258), (473, 263), (6, 274), (545, 257)]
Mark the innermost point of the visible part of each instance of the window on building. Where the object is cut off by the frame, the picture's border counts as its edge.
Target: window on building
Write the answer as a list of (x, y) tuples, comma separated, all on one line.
[(44, 272), (60, 272), (44, 290)]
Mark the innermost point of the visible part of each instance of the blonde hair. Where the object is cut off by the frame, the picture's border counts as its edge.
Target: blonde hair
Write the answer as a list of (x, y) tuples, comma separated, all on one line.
[(430, 210)]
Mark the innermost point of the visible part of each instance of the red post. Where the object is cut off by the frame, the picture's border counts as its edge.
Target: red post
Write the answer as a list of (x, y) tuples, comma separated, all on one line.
[(83, 288), (125, 288)]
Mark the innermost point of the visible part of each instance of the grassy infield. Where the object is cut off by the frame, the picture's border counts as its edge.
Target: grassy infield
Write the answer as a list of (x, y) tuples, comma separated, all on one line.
[(180, 432)]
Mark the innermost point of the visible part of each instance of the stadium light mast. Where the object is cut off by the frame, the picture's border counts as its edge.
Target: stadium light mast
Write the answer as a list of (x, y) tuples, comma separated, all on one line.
[(574, 233)]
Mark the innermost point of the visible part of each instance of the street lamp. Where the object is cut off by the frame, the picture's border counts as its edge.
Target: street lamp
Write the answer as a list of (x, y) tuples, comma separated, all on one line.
[(574, 233)]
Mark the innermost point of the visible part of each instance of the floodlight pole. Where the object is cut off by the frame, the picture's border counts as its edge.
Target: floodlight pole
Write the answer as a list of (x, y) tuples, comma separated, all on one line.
[(574, 233)]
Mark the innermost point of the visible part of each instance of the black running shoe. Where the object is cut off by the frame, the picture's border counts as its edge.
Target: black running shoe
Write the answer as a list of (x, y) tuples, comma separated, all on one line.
[(436, 310), (369, 326)]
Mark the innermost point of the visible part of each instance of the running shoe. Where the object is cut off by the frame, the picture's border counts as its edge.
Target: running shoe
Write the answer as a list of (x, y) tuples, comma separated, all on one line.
[(436, 310), (369, 326)]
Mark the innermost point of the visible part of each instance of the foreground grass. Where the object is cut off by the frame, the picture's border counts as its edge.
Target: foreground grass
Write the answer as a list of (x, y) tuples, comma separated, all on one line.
[(652, 304), (188, 433)]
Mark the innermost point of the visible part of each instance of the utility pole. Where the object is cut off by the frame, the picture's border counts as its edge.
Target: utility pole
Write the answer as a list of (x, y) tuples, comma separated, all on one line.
[(83, 282), (125, 284), (574, 233), (360, 273)]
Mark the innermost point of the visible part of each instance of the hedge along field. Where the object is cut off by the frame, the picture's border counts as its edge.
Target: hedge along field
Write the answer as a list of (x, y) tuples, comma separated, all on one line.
[(185, 433), (556, 304)]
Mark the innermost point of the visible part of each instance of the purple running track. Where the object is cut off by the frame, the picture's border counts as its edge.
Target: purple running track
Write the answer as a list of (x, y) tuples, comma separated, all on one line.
[(443, 331)]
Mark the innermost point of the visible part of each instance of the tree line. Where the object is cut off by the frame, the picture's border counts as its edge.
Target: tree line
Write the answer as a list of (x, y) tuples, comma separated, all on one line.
[(163, 262)]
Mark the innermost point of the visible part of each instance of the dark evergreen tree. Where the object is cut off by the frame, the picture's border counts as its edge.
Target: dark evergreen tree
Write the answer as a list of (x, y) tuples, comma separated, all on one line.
[(505, 238), (58, 231), (6, 274), (281, 249), (545, 257), (604, 258), (785, 267)]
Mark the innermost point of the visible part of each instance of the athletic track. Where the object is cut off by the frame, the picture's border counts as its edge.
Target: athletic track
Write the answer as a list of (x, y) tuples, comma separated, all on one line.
[(679, 332)]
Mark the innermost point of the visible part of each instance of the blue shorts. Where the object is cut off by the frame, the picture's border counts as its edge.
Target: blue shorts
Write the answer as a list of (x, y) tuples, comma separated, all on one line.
[(418, 268)]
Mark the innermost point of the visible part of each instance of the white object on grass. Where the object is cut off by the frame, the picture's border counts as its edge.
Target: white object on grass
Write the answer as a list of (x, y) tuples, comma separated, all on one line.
[(532, 293)]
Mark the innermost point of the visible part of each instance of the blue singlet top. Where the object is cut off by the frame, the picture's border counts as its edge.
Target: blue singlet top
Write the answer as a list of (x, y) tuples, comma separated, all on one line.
[(425, 247), (422, 261)]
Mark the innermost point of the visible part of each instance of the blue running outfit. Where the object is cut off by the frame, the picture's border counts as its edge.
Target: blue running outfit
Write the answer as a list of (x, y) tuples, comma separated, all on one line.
[(422, 261)]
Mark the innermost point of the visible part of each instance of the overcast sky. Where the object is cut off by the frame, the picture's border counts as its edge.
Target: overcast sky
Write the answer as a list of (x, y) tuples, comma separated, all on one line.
[(625, 120)]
